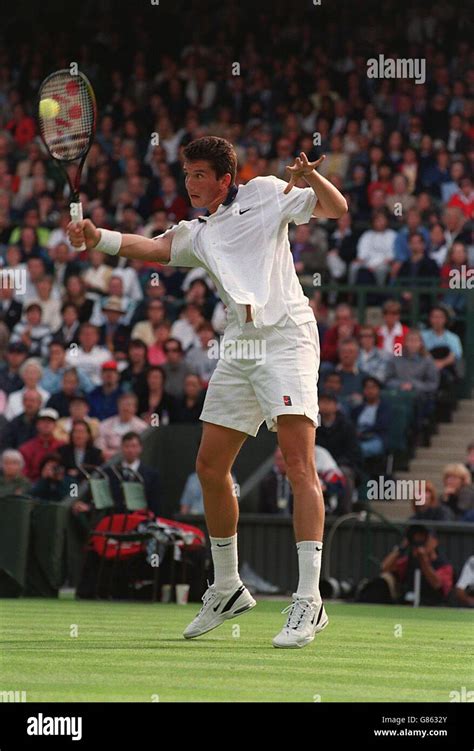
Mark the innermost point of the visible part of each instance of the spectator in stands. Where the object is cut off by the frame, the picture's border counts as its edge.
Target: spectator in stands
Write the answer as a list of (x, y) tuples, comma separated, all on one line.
[(114, 335), (400, 201), (96, 278), (61, 400), (64, 260), (78, 410), (53, 373), (12, 479), (392, 333), (402, 249), (464, 198), (414, 370), (44, 443), (89, 356), (112, 429), (372, 420), (417, 270), (464, 589), (443, 345), (186, 327), (157, 352), (133, 378), (199, 359), (275, 494), (32, 332), (146, 330), (68, 332), (438, 246), (133, 469), (192, 500), (10, 378), (175, 368), (458, 491), (351, 376), (372, 360), (80, 450), (309, 257), (76, 295), (419, 550), (337, 434), (345, 326), (23, 426), (374, 252), (155, 399), (50, 303), (189, 406), (332, 383), (31, 373), (429, 508), (342, 247), (456, 226), (103, 399), (456, 265), (10, 309), (52, 485)]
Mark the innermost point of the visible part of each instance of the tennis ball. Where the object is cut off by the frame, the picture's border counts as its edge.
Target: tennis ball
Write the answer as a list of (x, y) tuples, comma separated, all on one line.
[(49, 108)]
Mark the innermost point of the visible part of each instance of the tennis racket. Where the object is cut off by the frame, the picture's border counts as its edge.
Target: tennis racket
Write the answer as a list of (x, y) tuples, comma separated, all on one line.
[(67, 115)]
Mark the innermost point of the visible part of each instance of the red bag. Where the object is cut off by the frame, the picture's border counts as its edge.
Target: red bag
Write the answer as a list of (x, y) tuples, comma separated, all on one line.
[(122, 523)]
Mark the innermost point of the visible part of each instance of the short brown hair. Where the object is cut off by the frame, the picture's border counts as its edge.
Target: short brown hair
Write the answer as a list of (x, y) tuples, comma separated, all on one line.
[(217, 151)]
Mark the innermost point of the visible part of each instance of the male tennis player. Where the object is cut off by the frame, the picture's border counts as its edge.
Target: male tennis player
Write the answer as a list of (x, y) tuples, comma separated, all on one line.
[(243, 245)]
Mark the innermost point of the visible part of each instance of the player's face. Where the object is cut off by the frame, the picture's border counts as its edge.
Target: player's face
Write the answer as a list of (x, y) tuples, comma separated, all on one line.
[(203, 187)]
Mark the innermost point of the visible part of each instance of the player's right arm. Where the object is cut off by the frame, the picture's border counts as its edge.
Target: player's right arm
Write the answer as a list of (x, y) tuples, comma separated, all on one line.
[(131, 246)]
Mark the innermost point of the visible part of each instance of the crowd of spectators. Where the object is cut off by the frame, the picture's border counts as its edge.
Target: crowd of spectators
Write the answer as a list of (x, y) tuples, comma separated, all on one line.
[(94, 348)]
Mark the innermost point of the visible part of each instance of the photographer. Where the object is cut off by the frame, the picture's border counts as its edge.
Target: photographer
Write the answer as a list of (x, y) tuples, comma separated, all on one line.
[(419, 551), (52, 485), (396, 583)]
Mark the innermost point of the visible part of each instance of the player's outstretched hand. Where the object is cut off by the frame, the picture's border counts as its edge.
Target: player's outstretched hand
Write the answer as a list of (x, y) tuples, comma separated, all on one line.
[(300, 168), (83, 232)]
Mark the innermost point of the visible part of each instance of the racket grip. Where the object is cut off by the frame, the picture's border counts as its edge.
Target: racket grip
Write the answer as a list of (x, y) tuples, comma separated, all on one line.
[(75, 210)]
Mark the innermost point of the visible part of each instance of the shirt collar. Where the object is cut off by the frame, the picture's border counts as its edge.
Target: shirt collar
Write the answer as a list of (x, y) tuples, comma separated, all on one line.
[(229, 199)]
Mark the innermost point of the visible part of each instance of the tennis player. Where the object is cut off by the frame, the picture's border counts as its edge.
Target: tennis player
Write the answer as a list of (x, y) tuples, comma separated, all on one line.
[(271, 372)]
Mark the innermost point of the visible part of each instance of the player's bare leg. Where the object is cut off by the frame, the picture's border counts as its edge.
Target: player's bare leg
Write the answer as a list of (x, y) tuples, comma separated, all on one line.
[(226, 597), (217, 452), (306, 615)]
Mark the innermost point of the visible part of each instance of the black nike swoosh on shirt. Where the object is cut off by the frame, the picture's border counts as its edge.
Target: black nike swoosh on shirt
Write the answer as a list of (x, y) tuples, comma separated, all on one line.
[(244, 211)]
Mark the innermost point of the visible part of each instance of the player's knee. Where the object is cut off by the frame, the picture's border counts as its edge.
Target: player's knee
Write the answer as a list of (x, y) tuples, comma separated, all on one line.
[(207, 470), (299, 469)]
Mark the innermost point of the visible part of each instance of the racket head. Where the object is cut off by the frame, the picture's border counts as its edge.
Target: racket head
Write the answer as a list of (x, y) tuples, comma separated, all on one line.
[(67, 115)]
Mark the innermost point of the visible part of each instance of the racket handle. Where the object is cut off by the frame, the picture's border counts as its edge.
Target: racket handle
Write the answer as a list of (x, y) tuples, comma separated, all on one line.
[(75, 210)]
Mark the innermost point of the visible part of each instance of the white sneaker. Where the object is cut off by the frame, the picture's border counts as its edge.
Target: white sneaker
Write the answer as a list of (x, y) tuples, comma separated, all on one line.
[(306, 618), (219, 607)]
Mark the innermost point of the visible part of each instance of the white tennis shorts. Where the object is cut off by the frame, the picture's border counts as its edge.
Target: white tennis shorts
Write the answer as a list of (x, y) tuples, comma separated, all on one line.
[(263, 373)]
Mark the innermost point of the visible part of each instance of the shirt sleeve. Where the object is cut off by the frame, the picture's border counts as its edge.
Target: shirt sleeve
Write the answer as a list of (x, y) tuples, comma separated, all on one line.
[(467, 574), (296, 206), (182, 246)]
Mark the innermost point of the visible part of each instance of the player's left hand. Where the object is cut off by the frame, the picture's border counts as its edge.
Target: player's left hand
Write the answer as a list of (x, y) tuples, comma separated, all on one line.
[(300, 168)]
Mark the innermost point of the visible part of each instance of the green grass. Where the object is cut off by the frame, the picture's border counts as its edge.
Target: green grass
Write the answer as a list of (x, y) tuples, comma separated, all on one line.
[(134, 652)]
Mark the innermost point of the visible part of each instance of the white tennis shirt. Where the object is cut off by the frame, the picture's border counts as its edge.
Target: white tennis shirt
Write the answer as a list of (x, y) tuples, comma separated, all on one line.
[(244, 248)]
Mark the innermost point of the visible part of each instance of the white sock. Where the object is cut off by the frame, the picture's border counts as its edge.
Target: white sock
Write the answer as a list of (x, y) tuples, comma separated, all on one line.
[(309, 564), (225, 559)]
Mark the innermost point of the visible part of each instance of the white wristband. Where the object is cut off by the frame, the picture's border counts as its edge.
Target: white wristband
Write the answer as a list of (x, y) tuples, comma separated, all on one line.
[(110, 242)]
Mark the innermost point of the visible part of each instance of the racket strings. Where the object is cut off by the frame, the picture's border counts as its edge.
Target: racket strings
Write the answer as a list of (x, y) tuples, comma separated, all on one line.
[(67, 132)]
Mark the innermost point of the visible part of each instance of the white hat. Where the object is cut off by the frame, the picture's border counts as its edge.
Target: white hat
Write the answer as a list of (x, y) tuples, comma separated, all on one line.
[(48, 413)]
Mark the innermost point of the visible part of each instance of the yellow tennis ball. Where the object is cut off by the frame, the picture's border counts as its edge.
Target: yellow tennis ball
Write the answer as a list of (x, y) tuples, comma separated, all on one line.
[(49, 108)]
